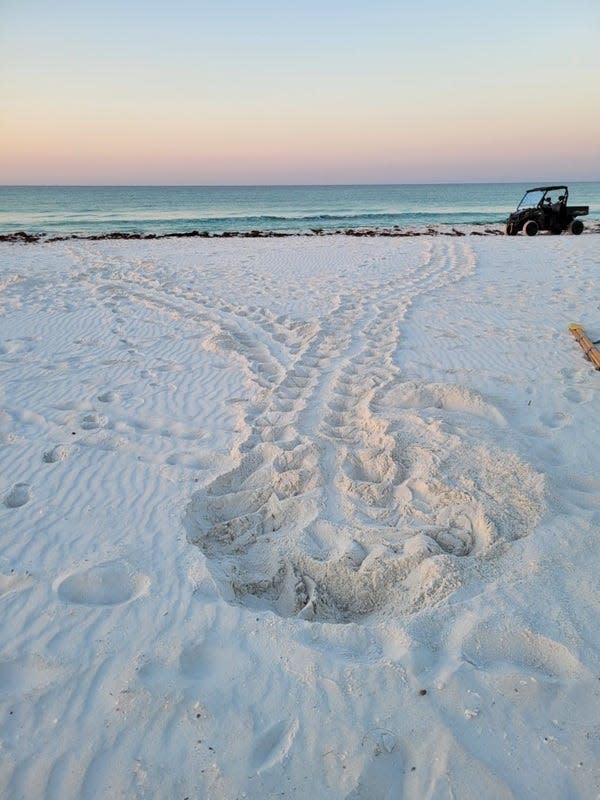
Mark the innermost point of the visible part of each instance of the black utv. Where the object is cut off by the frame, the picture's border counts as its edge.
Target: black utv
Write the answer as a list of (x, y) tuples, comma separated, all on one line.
[(545, 209)]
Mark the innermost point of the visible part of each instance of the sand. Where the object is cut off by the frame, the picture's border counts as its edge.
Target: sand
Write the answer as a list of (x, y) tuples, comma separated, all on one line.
[(307, 518)]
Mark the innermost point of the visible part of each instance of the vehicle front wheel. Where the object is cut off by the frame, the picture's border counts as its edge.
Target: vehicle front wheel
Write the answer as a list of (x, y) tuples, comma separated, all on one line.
[(511, 229), (576, 227), (531, 227)]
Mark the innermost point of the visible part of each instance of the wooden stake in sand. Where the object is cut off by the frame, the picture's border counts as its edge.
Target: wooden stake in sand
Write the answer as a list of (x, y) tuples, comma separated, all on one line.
[(586, 344)]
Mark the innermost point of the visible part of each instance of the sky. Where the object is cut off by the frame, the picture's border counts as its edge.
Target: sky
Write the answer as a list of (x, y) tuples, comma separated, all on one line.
[(298, 91)]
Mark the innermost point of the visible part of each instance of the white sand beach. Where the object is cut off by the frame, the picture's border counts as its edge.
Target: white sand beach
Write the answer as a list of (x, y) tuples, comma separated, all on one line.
[(313, 518)]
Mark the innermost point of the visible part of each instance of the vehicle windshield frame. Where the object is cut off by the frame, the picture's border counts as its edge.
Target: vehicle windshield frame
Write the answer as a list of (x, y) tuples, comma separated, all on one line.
[(539, 195)]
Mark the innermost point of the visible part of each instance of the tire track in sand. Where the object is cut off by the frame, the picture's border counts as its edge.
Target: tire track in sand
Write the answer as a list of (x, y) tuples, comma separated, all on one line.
[(335, 511)]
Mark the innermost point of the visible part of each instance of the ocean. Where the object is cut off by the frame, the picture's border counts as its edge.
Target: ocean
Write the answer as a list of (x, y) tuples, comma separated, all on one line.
[(65, 210)]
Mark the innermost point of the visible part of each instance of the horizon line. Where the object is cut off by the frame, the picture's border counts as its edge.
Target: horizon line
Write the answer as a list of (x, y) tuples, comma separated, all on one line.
[(278, 185)]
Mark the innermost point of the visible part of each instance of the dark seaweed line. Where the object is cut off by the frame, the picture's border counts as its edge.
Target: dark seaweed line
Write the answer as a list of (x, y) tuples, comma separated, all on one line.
[(23, 237)]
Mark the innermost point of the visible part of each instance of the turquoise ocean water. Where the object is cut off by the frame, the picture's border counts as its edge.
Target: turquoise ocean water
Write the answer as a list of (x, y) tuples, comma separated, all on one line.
[(63, 210)]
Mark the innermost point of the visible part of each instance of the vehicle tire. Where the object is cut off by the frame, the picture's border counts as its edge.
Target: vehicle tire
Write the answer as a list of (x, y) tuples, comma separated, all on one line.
[(531, 227), (576, 227), (511, 229)]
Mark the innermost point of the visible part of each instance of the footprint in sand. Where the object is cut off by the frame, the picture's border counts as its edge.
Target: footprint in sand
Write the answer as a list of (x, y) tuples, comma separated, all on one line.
[(59, 452), (523, 649), (92, 421), (206, 664), (577, 396), (274, 744), (556, 420), (109, 584), (18, 495), (108, 397)]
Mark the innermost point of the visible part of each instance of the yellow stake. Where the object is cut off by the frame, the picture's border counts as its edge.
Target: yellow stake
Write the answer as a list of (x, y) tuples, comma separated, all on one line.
[(586, 344)]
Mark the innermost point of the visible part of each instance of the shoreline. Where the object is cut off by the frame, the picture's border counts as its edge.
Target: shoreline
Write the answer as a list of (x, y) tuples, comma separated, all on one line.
[(493, 229)]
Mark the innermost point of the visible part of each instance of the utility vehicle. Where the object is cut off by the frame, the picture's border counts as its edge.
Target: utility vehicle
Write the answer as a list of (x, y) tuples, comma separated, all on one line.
[(545, 208)]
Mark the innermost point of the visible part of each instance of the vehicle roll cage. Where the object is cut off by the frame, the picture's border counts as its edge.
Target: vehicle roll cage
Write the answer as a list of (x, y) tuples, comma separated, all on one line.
[(545, 190)]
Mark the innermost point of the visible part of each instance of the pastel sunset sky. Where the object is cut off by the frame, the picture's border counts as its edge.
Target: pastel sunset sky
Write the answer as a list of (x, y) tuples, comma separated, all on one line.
[(298, 91)]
